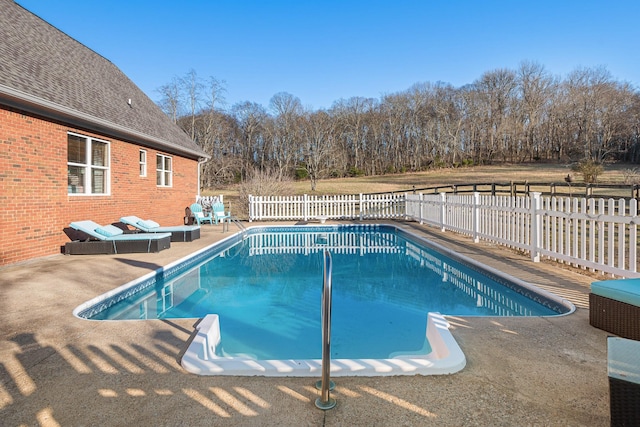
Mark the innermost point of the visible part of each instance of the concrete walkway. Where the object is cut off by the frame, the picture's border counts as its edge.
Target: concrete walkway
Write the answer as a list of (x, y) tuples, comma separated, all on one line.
[(56, 369)]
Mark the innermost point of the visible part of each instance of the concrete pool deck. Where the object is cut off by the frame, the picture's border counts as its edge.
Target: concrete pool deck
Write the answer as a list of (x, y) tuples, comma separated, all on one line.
[(56, 369)]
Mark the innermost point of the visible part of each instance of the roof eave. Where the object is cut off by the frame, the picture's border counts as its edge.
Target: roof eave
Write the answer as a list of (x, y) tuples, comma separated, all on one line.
[(31, 104)]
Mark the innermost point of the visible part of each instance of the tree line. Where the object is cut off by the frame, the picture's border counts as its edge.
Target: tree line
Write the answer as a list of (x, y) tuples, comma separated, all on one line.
[(506, 115)]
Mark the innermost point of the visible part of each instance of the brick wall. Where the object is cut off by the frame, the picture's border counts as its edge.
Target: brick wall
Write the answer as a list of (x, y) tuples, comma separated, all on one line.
[(35, 208)]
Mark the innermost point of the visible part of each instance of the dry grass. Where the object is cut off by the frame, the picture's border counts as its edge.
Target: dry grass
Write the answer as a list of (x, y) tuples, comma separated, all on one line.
[(532, 172)]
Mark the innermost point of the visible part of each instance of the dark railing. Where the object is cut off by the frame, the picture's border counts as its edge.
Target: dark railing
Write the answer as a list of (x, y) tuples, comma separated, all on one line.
[(570, 189)]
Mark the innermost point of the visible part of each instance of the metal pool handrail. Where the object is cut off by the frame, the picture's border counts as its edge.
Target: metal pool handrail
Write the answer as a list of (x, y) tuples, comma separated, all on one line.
[(325, 401)]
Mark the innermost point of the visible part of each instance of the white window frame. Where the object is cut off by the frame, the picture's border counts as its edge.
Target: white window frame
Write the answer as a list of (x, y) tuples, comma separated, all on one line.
[(164, 174), (143, 163), (83, 187)]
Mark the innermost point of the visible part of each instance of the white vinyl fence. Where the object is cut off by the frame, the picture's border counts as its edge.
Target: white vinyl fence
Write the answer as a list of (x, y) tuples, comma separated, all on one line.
[(598, 234), (305, 207)]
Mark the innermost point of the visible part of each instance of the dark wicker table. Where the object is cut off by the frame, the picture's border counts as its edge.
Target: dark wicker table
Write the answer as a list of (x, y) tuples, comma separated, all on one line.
[(624, 381)]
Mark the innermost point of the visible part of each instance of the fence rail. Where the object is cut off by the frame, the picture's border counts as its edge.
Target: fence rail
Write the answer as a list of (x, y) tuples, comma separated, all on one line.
[(513, 188)]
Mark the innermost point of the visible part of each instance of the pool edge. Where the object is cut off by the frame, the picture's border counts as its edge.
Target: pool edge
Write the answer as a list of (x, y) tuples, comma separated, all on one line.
[(445, 358)]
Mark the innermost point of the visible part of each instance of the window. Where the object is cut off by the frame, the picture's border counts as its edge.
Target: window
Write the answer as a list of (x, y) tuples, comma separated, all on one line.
[(163, 171), (143, 163), (87, 165)]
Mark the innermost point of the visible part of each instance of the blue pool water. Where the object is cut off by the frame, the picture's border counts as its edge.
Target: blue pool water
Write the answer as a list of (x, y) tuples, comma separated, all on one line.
[(266, 286)]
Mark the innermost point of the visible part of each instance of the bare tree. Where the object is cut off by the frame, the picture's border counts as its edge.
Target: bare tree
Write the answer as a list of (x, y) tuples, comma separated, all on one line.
[(318, 140), (351, 115), (285, 135), (497, 89), (251, 119), (535, 94), (193, 87), (171, 100)]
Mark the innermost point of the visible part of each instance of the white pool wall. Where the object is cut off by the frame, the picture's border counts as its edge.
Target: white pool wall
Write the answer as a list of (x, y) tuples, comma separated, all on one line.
[(445, 357)]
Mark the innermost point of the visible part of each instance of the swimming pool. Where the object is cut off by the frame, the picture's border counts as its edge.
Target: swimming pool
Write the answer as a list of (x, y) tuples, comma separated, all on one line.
[(259, 295)]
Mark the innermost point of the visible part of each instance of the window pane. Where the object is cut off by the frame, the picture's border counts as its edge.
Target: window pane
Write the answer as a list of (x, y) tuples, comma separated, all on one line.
[(167, 178), (167, 163), (98, 153), (75, 179), (158, 177), (98, 181), (143, 163), (158, 162), (76, 149)]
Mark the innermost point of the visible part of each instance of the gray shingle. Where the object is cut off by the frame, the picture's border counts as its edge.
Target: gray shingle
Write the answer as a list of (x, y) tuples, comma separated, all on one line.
[(60, 77)]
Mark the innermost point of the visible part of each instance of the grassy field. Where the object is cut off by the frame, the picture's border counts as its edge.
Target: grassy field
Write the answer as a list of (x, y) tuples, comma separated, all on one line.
[(531, 172)]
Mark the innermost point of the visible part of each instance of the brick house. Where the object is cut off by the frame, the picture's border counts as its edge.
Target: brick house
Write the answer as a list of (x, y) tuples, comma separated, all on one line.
[(79, 140)]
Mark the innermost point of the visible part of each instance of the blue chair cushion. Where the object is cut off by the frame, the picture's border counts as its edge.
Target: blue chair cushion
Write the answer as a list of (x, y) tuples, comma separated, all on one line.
[(108, 230), (623, 290), (148, 224)]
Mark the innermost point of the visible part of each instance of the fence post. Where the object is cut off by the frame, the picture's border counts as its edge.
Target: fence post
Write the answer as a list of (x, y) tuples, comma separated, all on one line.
[(633, 236), (536, 226), (443, 206), (476, 217), (361, 207), (421, 205), (305, 208), (250, 207)]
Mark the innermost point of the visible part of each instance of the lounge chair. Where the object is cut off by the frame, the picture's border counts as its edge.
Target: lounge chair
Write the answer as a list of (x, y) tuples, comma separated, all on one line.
[(179, 233), (219, 213), (109, 239), (196, 210)]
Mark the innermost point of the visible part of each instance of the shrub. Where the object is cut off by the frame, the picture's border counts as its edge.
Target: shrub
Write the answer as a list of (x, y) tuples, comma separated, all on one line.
[(301, 174), (439, 163), (589, 169), (631, 176), (262, 183), (354, 171)]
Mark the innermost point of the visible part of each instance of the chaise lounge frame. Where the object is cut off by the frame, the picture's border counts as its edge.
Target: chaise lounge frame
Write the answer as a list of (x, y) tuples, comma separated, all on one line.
[(123, 243)]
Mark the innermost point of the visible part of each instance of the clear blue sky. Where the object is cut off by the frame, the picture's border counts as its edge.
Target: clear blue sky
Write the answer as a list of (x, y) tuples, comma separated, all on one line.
[(321, 51)]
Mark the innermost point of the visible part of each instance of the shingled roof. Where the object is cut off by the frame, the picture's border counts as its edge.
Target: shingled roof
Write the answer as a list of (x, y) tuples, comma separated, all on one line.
[(48, 73)]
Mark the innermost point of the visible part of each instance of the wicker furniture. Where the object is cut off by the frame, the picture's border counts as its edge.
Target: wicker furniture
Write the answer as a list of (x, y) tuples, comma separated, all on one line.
[(623, 368), (108, 239), (614, 306), (95, 247), (179, 233)]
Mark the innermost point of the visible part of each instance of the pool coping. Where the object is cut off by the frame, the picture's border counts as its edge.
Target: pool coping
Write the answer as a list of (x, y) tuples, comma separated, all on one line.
[(148, 279), (446, 357)]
